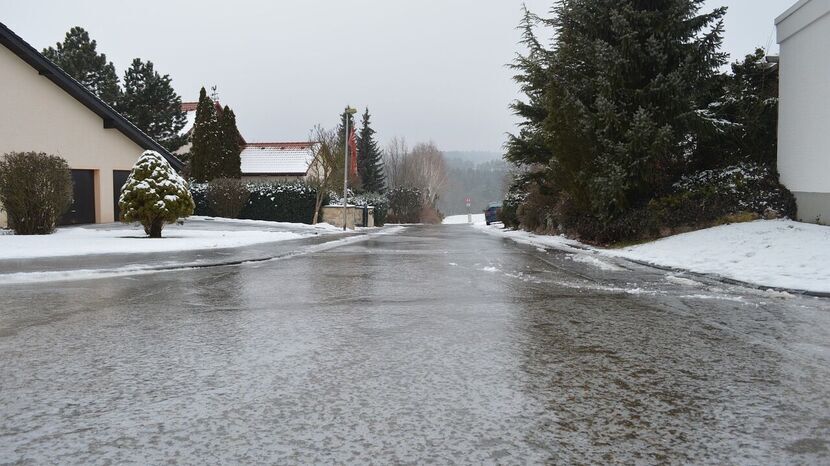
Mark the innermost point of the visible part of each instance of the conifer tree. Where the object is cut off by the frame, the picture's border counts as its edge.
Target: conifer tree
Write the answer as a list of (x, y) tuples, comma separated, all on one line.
[(231, 145), (206, 152), (370, 158), (745, 114), (150, 103), (78, 57), (154, 194), (627, 81)]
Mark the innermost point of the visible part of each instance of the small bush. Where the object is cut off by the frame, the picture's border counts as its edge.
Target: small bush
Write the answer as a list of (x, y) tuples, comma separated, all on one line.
[(154, 194), (704, 197), (405, 205), (35, 190), (227, 197), (430, 216), (509, 213)]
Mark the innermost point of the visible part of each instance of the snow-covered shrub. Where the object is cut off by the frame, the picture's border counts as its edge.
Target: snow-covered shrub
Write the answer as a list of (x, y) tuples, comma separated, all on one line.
[(227, 197), (35, 190), (709, 195), (405, 205), (154, 194)]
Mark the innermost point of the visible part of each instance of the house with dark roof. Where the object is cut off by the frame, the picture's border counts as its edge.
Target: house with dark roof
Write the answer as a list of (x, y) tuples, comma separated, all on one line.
[(46, 110), (263, 161)]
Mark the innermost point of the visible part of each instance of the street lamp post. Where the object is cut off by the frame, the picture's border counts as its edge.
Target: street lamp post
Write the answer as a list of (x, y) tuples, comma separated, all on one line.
[(349, 111)]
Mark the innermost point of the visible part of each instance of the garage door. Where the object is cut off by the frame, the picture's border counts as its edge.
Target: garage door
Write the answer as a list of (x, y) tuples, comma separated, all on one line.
[(83, 205), (119, 177)]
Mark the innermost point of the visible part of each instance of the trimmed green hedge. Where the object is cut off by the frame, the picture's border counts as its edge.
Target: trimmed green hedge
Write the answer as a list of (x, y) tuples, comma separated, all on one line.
[(274, 201)]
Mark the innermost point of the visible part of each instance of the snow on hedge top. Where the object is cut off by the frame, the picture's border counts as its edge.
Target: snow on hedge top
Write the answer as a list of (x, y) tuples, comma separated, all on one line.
[(154, 190)]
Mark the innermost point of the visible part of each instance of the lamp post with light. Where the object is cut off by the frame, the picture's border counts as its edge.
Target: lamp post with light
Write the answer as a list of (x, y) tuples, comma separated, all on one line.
[(349, 112)]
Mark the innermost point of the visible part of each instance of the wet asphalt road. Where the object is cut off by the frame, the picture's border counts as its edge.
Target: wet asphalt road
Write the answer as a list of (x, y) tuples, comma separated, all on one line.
[(433, 345)]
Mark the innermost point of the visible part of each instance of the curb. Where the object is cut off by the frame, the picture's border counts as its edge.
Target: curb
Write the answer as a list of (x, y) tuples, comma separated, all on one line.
[(727, 280)]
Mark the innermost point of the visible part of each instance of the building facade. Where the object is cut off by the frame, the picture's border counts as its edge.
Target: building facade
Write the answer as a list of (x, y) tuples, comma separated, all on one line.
[(804, 107), (45, 110)]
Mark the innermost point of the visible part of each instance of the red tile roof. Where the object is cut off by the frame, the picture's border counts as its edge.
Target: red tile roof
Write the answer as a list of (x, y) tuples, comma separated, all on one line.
[(189, 106)]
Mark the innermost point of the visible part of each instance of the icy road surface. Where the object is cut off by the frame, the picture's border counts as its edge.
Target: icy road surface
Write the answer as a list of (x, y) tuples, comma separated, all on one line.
[(439, 344)]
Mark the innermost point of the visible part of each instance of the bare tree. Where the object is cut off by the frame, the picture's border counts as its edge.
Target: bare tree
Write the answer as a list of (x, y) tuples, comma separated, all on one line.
[(326, 166), (394, 158), (428, 171)]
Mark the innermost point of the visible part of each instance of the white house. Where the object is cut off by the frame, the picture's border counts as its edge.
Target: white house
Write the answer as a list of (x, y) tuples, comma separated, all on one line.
[(45, 110), (804, 108), (277, 161)]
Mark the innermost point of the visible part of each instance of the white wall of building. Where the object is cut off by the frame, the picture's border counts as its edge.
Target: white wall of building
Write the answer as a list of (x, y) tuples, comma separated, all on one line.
[(804, 109), (39, 116)]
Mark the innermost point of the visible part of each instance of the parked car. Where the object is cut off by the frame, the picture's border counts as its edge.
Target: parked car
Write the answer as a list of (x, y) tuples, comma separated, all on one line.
[(492, 213)]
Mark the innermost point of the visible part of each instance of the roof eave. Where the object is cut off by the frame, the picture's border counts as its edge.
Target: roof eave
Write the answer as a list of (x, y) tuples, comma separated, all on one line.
[(111, 119)]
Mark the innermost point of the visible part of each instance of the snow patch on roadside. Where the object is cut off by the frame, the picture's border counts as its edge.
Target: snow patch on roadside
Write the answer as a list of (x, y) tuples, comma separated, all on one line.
[(93, 274), (80, 241), (774, 253), (593, 261), (478, 219), (767, 253)]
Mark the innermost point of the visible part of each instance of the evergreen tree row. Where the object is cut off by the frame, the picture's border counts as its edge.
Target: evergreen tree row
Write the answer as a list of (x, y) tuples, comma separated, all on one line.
[(371, 177), (217, 145)]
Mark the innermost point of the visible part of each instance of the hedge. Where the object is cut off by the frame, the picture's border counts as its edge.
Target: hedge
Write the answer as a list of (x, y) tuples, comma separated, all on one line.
[(273, 201)]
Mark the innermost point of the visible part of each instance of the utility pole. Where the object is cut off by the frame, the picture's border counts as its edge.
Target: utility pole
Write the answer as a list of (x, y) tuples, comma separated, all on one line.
[(349, 112)]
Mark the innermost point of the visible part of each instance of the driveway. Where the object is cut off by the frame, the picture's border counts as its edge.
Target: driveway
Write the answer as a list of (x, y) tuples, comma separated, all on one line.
[(437, 344)]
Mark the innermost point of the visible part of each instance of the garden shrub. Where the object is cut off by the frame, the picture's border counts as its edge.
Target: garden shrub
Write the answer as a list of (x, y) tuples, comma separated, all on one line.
[(705, 197), (405, 205), (35, 190), (154, 194), (227, 197), (509, 214)]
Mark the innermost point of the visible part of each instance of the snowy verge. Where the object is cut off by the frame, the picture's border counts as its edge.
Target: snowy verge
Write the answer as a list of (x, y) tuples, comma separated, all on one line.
[(268, 223), (79, 241), (478, 219), (132, 270), (137, 269), (767, 253)]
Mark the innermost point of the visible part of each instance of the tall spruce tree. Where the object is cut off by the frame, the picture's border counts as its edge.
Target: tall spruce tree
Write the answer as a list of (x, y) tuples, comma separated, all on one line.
[(231, 145), (77, 55), (150, 103), (626, 86), (370, 158), (206, 154), (528, 147)]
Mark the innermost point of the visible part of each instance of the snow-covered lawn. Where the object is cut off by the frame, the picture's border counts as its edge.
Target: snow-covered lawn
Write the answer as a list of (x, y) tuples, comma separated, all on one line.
[(478, 219), (773, 253), (78, 241)]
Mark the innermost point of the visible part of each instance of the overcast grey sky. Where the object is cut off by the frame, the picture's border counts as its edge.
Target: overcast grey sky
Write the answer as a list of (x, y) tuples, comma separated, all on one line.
[(427, 69)]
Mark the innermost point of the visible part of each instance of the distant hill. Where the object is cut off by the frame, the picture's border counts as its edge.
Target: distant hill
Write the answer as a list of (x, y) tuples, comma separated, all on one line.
[(475, 157)]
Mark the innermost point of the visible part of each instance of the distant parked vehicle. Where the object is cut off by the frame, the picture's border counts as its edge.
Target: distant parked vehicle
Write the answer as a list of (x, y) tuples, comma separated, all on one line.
[(492, 212)]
